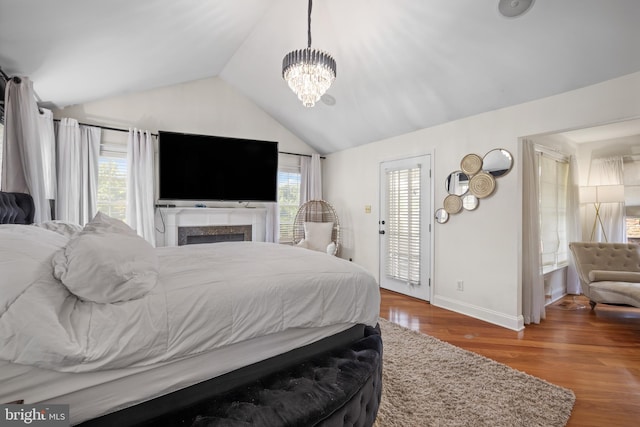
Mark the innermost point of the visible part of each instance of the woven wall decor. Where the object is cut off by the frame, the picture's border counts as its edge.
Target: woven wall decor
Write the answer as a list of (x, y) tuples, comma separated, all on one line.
[(471, 164), (452, 204), (482, 185), (476, 180)]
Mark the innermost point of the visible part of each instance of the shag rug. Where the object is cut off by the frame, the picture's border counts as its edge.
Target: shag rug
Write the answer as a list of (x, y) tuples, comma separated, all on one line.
[(428, 382)]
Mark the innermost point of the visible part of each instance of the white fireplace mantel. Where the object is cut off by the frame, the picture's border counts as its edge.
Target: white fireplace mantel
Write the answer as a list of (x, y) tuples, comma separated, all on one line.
[(193, 217)]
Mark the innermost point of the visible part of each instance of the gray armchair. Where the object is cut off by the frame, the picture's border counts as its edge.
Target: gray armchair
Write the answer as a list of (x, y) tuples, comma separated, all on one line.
[(609, 272)]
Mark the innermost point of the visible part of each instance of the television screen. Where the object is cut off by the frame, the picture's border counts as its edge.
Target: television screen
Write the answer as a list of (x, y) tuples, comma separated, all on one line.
[(214, 168)]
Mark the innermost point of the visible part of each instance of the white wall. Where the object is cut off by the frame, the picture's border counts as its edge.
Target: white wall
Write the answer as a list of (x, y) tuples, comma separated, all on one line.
[(481, 247), (209, 106)]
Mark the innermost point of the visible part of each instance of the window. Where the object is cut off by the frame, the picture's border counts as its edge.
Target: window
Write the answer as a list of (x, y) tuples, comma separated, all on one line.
[(632, 197), (553, 175), (633, 229), (403, 224), (288, 201), (112, 181)]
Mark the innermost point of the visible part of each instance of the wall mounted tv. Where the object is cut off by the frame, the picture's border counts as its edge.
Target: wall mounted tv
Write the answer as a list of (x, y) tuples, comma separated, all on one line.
[(215, 168)]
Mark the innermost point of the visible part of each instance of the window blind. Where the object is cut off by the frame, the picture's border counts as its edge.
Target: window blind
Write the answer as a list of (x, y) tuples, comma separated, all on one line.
[(553, 177), (403, 225), (288, 201)]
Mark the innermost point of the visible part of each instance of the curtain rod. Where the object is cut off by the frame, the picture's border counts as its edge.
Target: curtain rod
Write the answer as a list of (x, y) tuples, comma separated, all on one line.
[(4, 75), (298, 154), (155, 134), (104, 127)]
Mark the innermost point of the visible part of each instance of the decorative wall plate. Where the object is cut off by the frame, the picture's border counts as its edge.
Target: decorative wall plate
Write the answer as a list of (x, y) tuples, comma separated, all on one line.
[(482, 185), (452, 204), (471, 164)]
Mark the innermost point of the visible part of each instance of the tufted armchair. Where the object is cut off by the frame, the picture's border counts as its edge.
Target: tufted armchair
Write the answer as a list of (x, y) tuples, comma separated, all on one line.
[(609, 272)]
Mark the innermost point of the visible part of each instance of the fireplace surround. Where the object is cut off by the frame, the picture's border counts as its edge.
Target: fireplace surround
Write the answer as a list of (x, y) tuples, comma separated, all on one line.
[(187, 225)]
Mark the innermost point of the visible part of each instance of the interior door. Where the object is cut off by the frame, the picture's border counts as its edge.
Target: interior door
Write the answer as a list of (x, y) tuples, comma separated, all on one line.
[(405, 226)]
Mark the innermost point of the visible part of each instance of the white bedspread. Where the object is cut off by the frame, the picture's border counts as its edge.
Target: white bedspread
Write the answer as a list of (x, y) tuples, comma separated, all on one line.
[(208, 296)]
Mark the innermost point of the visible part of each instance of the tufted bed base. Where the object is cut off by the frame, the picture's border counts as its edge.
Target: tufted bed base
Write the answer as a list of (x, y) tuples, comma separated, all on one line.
[(341, 387)]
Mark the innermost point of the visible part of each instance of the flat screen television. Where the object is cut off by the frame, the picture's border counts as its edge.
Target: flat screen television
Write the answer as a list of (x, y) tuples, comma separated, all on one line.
[(215, 168)]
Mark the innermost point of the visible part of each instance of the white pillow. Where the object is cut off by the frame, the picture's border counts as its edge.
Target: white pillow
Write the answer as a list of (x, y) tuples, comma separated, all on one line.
[(303, 244), (107, 262), (67, 229), (25, 257), (318, 235)]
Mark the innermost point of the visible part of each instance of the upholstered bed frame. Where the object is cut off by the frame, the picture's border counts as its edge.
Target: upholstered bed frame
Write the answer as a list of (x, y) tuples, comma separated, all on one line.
[(334, 382), (335, 388), (16, 208)]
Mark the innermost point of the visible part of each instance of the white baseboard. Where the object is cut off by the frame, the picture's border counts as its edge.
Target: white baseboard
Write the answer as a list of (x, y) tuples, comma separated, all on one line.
[(515, 323)]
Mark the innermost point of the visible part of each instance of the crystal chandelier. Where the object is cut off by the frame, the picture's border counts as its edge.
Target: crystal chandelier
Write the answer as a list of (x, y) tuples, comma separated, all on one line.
[(309, 72)]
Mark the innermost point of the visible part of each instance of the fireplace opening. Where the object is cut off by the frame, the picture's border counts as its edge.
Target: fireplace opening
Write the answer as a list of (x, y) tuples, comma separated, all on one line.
[(213, 234)]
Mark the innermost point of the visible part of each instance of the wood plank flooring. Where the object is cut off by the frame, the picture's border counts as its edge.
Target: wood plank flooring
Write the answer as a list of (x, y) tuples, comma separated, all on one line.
[(594, 353)]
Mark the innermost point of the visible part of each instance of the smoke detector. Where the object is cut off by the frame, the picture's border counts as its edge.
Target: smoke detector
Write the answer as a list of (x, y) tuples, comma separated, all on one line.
[(514, 8)]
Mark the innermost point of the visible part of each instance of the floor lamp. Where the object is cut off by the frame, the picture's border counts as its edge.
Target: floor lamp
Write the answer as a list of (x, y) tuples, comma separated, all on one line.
[(598, 194)]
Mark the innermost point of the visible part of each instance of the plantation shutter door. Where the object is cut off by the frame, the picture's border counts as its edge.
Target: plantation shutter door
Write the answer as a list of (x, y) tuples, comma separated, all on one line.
[(403, 225)]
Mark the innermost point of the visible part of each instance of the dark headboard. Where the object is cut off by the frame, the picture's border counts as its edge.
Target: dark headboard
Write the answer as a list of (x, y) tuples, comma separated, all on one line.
[(16, 208)]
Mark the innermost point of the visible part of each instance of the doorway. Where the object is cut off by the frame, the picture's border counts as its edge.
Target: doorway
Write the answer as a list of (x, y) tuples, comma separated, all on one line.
[(405, 226)]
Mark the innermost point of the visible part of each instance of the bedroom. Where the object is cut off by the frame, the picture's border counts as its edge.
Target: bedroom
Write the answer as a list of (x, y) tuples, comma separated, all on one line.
[(492, 277)]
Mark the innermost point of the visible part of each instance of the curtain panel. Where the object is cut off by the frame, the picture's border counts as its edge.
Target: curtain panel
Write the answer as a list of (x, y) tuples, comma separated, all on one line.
[(78, 150), (533, 310), (310, 178), (48, 144), (573, 225), (22, 159), (140, 179)]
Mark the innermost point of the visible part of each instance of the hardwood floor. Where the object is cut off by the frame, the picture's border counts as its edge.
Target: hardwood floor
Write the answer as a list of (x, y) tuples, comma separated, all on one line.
[(594, 353)]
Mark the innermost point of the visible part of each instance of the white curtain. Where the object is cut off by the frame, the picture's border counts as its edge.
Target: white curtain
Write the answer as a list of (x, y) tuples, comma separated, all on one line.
[(608, 171), (573, 225), (78, 150), (22, 160), (140, 178), (310, 178), (48, 144), (273, 223), (532, 281)]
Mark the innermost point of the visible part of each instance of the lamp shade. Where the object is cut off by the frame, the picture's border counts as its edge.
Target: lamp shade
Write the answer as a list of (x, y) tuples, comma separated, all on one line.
[(610, 193), (602, 194)]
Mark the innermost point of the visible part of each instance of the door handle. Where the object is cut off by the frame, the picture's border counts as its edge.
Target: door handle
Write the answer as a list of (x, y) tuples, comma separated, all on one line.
[(381, 232)]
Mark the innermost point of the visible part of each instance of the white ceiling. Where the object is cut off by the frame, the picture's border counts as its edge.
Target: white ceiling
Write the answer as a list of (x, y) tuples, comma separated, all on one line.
[(402, 64), (604, 132)]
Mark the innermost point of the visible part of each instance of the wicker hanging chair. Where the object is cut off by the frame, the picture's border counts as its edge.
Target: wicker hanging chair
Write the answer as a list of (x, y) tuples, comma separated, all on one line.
[(316, 211)]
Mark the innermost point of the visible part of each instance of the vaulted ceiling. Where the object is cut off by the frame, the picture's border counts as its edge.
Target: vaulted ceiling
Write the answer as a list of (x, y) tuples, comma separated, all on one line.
[(402, 64)]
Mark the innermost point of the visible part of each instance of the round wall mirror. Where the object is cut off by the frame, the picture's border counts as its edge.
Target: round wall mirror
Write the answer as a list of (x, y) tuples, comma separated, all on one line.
[(497, 162), (441, 216), (457, 183), (470, 202)]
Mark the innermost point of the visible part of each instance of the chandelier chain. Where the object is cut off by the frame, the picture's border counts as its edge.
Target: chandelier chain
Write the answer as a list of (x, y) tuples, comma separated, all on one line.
[(309, 24)]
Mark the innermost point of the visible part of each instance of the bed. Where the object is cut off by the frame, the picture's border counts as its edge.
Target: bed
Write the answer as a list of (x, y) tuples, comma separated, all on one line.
[(237, 333)]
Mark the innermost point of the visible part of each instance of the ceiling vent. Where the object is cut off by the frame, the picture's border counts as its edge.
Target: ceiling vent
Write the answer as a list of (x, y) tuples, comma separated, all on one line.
[(514, 8)]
